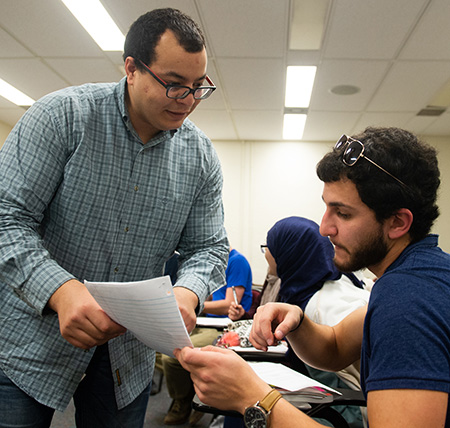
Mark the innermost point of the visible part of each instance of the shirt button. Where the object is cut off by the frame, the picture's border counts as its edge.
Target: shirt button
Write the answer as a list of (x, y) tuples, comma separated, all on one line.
[(116, 270), (127, 229), (136, 188)]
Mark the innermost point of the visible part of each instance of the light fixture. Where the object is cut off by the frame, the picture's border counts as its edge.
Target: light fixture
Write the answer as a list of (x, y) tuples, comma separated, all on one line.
[(293, 126), (14, 95), (299, 84), (98, 23), (308, 19)]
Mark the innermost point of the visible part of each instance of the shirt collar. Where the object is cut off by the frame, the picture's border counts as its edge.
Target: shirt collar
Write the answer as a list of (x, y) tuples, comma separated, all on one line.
[(430, 240)]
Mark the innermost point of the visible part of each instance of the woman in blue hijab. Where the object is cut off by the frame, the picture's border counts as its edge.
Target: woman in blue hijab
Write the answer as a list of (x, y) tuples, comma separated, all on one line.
[(304, 259)]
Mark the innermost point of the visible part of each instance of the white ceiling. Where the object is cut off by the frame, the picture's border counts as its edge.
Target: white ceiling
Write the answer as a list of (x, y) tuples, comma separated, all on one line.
[(396, 52)]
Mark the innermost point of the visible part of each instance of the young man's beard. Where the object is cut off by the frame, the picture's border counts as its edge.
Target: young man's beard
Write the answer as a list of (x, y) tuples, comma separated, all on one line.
[(369, 253)]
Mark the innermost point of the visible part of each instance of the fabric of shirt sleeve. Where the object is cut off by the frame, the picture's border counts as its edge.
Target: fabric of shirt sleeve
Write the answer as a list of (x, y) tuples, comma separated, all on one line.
[(407, 334), (31, 168), (204, 245)]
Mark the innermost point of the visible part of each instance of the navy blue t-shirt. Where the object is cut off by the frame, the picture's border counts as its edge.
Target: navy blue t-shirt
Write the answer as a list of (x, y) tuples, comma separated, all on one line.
[(406, 341)]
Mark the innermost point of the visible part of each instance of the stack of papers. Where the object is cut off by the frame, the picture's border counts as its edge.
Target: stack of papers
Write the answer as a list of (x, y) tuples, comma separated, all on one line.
[(215, 322), (293, 384)]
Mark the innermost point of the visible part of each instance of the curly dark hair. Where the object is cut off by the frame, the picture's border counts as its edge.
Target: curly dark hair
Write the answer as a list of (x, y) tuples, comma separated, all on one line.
[(406, 157), (145, 33)]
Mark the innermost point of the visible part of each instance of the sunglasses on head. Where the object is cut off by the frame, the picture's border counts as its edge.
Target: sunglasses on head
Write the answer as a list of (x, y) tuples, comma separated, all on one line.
[(353, 150)]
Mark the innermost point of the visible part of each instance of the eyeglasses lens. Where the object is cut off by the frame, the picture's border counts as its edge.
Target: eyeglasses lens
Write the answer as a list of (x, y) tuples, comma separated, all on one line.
[(352, 152), (341, 142), (179, 92)]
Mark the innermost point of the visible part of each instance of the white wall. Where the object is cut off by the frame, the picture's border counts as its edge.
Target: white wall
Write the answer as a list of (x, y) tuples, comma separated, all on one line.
[(264, 182), (4, 131), (267, 181)]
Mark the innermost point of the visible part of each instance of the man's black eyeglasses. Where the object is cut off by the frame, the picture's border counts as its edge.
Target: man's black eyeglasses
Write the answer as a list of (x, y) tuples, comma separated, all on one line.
[(353, 150), (178, 92), (263, 248)]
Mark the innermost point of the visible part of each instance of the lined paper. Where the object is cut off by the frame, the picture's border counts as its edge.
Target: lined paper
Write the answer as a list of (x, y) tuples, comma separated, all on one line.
[(146, 308)]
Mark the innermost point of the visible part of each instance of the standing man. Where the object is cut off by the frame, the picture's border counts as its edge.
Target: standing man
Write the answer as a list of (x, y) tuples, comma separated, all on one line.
[(104, 182), (380, 190)]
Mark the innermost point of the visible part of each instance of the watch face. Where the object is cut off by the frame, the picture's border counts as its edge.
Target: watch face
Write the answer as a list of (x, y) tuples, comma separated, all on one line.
[(255, 417)]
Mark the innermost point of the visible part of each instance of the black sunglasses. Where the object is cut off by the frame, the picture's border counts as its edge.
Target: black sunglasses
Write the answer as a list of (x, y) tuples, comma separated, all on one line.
[(353, 150)]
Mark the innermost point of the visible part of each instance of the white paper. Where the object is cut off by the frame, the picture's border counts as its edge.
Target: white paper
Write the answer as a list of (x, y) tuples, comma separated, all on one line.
[(279, 349), (278, 375), (217, 322), (146, 308)]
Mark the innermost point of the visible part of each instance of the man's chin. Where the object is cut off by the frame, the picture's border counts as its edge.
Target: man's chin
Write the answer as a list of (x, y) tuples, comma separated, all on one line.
[(342, 265)]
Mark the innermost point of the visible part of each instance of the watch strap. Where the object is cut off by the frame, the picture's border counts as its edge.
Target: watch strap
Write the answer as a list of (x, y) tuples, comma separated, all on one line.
[(270, 400)]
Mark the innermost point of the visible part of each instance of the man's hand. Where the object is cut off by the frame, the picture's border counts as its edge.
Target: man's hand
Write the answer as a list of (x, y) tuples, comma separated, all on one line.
[(82, 321), (187, 301), (272, 322), (222, 378)]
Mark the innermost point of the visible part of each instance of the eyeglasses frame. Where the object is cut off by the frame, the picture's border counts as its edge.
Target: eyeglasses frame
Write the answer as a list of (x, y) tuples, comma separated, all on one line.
[(263, 248), (343, 144), (168, 86)]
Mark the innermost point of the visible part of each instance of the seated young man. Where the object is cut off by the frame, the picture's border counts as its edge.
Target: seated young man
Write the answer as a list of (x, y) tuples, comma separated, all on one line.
[(380, 190)]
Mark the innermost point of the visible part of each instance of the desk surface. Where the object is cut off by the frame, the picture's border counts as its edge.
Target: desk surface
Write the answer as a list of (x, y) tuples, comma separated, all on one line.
[(347, 397)]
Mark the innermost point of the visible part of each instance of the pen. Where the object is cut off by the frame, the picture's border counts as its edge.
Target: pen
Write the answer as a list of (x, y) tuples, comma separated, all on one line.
[(235, 296)]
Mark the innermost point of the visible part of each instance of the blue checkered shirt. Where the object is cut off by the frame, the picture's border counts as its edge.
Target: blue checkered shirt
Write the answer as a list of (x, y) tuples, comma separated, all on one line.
[(82, 197)]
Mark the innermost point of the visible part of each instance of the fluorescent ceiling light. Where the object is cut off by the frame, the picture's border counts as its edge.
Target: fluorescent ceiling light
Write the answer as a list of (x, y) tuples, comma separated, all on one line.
[(299, 84), (14, 95), (293, 127), (93, 17), (308, 24)]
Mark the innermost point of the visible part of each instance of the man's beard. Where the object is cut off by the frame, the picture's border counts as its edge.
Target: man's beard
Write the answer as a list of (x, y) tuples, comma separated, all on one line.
[(370, 253)]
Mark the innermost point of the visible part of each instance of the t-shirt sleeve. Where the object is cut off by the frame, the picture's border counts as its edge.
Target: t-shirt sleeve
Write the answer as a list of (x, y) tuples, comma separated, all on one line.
[(407, 335)]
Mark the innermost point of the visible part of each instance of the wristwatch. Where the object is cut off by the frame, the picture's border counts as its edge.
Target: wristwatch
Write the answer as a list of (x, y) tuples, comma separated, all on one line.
[(256, 416)]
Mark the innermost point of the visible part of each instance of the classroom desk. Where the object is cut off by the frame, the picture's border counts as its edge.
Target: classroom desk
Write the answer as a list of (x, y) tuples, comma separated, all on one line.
[(318, 410)]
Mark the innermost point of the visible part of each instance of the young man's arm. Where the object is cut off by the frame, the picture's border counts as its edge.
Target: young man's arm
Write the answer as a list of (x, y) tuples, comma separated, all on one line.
[(224, 380), (412, 408), (324, 347)]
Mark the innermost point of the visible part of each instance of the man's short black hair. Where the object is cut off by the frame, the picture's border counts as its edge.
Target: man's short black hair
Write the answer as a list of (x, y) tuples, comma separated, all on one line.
[(145, 33), (406, 157)]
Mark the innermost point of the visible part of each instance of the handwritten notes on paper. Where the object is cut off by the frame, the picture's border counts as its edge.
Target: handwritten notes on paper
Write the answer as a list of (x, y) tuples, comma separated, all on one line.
[(146, 308)]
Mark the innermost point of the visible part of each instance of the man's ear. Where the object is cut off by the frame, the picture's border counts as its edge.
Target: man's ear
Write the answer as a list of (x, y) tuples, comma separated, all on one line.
[(130, 68), (400, 223)]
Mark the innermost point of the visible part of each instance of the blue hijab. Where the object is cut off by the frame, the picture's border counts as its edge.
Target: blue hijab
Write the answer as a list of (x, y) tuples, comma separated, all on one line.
[(304, 259)]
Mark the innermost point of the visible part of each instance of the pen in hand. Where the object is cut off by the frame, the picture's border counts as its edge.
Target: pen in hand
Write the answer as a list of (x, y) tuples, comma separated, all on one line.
[(235, 295)]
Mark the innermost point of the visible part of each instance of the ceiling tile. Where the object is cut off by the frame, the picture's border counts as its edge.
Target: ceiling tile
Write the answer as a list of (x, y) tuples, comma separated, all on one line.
[(370, 29), (431, 37), (236, 33), (31, 76), (259, 125), (77, 71), (329, 126), (366, 75), (253, 84), (11, 48), (404, 88), (47, 28)]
